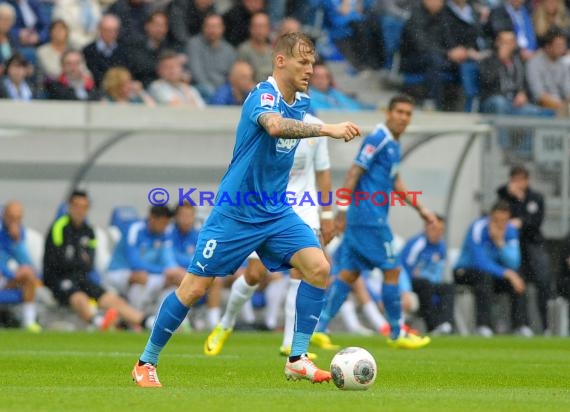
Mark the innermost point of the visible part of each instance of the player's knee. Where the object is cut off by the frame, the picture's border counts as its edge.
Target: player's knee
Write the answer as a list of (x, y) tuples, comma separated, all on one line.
[(319, 272)]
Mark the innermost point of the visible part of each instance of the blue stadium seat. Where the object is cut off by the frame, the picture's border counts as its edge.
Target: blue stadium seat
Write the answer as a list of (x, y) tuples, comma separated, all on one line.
[(61, 210), (123, 216)]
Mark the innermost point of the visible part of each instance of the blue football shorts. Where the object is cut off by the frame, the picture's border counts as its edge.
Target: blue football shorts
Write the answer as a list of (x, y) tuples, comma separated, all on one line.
[(366, 248), (224, 243)]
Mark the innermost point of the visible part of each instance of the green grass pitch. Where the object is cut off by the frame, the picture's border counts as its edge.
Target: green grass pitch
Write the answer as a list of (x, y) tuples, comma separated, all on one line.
[(91, 372)]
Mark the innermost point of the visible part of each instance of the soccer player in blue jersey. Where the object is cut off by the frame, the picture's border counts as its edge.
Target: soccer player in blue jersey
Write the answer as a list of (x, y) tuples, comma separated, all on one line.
[(367, 241), (250, 216)]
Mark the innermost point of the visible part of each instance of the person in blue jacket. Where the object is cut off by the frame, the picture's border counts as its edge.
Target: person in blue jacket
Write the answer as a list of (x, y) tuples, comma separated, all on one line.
[(424, 258), (143, 263), (489, 262)]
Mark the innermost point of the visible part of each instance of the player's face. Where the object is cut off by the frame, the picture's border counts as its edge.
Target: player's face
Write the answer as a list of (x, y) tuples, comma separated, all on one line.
[(157, 225), (13, 215), (185, 219), (434, 231), (78, 209), (300, 66), (500, 219), (520, 182), (399, 117)]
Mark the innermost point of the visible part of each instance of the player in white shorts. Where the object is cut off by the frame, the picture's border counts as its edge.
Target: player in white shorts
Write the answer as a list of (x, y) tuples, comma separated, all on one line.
[(311, 169)]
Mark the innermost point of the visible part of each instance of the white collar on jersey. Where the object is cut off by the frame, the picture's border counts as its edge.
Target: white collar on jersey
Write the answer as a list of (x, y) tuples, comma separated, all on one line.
[(387, 131), (298, 95)]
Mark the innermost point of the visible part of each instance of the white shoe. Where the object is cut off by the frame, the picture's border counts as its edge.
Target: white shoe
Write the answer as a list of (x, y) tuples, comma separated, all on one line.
[(485, 332), (525, 332), (304, 368), (444, 329)]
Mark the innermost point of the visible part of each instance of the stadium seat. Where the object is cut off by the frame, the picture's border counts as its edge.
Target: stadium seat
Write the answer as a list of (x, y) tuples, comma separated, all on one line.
[(61, 210), (123, 216)]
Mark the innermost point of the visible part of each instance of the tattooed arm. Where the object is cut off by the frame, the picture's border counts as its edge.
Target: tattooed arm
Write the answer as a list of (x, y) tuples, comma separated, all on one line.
[(278, 126)]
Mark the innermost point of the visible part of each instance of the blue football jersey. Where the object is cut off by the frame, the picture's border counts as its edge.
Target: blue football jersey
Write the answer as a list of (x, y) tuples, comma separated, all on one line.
[(379, 156), (253, 188)]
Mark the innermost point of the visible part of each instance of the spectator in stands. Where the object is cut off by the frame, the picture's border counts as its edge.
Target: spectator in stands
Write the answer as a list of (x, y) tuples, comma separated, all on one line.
[(550, 14), (7, 46), (144, 53), (187, 18), (502, 80), (393, 15), (423, 49), (489, 262), (257, 50), (237, 20), (13, 85), (24, 276), (527, 215), (74, 82), (423, 259), (143, 263), (170, 87), (514, 16), (119, 87), (466, 45), (68, 267), (210, 56), (287, 25), (105, 52), (30, 28), (548, 77), (354, 29), (82, 17), (240, 83), (49, 54), (133, 14), (325, 96)]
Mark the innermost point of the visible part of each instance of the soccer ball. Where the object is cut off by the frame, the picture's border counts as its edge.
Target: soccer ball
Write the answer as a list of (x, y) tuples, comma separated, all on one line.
[(353, 369)]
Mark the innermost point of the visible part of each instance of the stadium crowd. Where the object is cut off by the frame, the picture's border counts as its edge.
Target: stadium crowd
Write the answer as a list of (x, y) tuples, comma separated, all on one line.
[(496, 56), (505, 57)]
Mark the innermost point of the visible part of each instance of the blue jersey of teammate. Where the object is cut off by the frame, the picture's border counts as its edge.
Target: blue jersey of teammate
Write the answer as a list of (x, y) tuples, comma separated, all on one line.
[(184, 245), (481, 254), (379, 156), (11, 249), (143, 250), (260, 162), (424, 260)]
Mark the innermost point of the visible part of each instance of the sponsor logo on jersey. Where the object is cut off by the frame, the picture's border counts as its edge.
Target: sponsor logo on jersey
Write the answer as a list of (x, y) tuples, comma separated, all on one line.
[(286, 145)]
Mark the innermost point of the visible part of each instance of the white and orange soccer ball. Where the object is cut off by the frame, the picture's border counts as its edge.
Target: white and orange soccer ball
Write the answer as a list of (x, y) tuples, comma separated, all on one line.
[(353, 369)]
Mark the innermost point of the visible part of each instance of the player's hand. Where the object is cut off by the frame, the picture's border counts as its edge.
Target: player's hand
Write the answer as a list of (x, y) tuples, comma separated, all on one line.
[(327, 230), (340, 221), (515, 280), (345, 130), (139, 277)]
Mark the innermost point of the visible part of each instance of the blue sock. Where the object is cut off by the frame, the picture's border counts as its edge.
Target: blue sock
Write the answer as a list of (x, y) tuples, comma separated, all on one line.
[(309, 303), (170, 315), (336, 296), (391, 299)]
